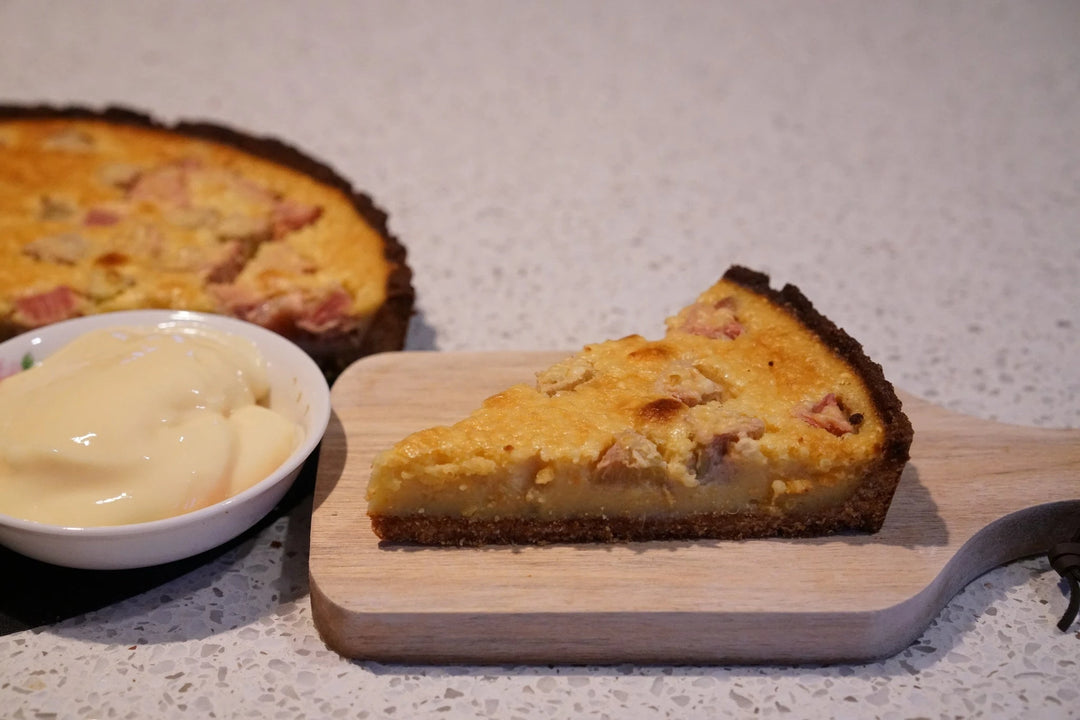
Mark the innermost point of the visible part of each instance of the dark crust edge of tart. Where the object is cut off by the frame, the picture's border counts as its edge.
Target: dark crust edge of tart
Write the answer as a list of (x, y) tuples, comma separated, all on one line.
[(863, 512), (389, 325)]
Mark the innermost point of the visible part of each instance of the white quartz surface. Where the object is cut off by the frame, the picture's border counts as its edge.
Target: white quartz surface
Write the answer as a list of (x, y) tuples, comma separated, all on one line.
[(564, 172)]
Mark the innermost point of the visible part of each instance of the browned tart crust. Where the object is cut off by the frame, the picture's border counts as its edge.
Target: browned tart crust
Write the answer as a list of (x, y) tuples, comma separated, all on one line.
[(754, 416), (111, 209)]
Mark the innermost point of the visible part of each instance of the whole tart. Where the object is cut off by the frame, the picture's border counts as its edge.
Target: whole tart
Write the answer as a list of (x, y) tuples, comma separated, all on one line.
[(753, 416), (113, 210)]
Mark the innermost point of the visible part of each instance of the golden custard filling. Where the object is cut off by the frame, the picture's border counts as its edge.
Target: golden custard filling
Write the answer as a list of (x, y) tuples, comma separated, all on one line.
[(738, 408), (98, 216)]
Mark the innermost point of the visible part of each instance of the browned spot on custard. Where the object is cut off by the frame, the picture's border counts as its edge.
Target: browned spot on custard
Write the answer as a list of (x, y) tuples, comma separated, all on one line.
[(661, 410), (111, 259), (654, 351)]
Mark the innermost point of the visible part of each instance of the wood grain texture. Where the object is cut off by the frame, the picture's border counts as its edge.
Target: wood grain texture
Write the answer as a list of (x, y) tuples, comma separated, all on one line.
[(975, 494)]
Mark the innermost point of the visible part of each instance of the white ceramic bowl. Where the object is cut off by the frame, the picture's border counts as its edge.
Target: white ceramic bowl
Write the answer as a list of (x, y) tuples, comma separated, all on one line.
[(298, 390)]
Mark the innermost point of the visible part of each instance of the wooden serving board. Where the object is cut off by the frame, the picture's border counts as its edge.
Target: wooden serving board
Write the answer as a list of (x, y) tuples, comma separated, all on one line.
[(975, 495)]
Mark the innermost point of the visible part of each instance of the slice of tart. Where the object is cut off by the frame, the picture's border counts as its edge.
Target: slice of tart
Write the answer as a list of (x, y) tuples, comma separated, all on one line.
[(112, 210), (754, 416)]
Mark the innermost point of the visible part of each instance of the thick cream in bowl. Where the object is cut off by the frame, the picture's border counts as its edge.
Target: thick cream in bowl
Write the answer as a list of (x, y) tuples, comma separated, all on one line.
[(136, 438), (131, 424)]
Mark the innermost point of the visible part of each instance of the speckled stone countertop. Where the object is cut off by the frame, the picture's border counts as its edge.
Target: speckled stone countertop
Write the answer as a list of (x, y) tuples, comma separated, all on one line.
[(571, 171)]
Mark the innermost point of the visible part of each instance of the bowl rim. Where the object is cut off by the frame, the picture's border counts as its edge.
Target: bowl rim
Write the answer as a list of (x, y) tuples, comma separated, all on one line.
[(318, 400)]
